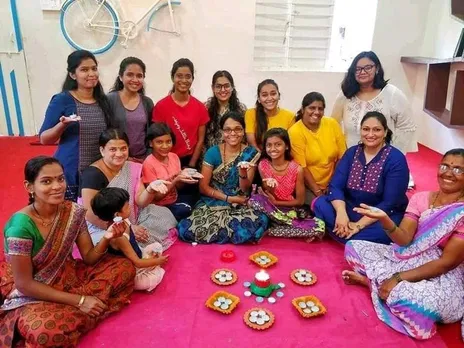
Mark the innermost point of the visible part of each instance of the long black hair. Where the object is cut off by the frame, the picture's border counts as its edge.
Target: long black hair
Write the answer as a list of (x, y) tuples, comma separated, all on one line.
[(261, 117), (308, 99), (350, 86), (74, 60), (282, 134), (180, 63), (118, 85), (213, 103), (33, 168), (383, 121)]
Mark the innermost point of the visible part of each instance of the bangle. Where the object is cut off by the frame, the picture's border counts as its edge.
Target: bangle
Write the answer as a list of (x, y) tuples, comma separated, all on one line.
[(81, 301), (391, 230), (397, 277), (227, 198), (242, 177), (212, 193), (99, 253)]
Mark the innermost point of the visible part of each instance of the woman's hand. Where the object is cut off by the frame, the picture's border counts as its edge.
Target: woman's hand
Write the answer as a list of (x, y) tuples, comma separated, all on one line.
[(241, 200), (320, 191), (270, 183), (243, 167), (93, 306), (69, 119), (189, 176), (158, 186), (341, 224), (353, 228), (386, 287), (116, 230), (141, 233), (372, 212), (268, 194), (160, 259)]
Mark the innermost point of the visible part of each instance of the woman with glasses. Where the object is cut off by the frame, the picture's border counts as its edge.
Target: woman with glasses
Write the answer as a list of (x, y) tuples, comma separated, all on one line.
[(374, 173), (224, 99), (418, 280), (364, 89), (222, 215)]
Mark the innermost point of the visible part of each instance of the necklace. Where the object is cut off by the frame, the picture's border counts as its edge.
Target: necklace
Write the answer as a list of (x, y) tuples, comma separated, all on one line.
[(438, 194), (110, 170), (44, 223), (281, 170)]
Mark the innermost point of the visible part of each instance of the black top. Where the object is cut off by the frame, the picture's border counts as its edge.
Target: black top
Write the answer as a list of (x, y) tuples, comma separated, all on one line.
[(92, 178)]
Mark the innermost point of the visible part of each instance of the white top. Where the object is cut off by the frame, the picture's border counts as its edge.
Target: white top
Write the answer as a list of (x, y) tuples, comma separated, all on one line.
[(392, 103)]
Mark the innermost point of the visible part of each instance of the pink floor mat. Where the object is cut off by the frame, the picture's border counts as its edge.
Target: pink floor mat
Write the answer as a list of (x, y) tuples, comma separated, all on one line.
[(174, 315)]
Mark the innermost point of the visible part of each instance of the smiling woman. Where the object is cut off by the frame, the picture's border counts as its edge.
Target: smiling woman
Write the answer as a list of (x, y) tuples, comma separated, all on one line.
[(374, 173), (82, 95), (40, 279)]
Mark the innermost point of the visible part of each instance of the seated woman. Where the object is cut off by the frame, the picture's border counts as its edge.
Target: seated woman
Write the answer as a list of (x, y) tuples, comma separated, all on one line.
[(317, 144), (150, 223), (222, 215), (284, 191), (419, 280), (40, 279), (372, 172), (165, 165)]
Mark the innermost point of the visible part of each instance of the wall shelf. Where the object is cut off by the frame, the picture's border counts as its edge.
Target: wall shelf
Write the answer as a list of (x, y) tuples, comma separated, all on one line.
[(436, 90)]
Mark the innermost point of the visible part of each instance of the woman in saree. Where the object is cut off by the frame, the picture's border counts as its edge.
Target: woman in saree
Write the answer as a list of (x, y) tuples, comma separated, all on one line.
[(48, 298), (150, 223), (418, 280), (222, 215)]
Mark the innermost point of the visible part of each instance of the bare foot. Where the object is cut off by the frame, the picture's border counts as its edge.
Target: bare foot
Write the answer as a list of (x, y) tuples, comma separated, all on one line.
[(353, 278)]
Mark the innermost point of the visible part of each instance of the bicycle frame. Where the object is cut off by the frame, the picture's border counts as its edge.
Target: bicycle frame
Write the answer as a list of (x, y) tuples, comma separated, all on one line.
[(151, 8)]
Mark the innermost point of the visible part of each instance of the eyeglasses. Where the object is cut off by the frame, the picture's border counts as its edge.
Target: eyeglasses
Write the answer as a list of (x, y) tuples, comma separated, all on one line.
[(237, 130), (443, 168), (226, 87), (367, 69)]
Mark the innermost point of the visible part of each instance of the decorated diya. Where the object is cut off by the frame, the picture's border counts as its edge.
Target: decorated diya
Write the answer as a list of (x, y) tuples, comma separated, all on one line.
[(224, 276), (309, 306), (262, 287), (222, 302), (263, 259), (259, 318), (303, 277)]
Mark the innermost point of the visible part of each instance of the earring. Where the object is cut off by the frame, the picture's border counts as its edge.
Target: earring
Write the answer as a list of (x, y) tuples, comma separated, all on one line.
[(31, 194)]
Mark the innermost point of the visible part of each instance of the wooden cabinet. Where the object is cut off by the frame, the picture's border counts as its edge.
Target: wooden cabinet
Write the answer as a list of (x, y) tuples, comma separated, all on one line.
[(436, 90)]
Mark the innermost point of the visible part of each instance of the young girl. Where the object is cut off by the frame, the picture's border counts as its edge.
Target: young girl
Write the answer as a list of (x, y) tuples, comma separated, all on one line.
[(75, 117), (266, 114), (165, 165), (112, 202), (131, 108), (283, 192), (184, 114), (224, 99)]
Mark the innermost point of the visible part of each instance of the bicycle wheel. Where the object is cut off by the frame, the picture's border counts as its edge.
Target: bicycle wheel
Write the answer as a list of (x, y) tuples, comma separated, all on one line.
[(97, 37), (163, 22)]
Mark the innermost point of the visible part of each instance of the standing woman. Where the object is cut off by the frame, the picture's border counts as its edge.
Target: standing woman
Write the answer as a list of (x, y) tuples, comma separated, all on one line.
[(131, 108), (364, 89), (224, 99), (75, 117), (266, 114), (184, 114)]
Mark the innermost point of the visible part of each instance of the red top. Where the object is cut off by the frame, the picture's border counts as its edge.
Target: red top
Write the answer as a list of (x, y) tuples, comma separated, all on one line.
[(183, 120), (286, 182)]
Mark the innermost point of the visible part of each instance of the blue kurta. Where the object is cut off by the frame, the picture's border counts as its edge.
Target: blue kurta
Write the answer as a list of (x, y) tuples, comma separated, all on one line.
[(381, 183)]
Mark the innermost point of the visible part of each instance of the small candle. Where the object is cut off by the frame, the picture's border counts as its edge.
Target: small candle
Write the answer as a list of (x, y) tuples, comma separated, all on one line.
[(262, 279)]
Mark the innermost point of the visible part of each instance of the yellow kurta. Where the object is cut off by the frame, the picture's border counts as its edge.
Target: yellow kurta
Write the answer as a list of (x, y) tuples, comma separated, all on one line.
[(318, 151), (283, 119)]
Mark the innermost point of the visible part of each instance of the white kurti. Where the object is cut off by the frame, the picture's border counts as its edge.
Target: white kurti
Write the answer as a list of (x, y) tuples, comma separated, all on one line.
[(392, 103)]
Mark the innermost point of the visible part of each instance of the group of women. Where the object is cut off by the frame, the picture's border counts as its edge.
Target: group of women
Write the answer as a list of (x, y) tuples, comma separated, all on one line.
[(265, 170)]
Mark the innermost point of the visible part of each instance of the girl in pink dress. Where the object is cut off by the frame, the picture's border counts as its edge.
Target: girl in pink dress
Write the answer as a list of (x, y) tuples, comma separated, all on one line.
[(282, 195)]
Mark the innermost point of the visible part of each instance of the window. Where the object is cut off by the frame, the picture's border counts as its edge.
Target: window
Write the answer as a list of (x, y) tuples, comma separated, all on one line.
[(302, 35)]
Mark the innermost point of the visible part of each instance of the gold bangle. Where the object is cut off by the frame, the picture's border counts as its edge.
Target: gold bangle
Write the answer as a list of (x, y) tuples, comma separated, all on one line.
[(81, 301), (99, 253)]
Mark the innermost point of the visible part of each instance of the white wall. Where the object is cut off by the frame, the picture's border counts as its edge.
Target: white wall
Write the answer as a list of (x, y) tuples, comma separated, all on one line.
[(440, 39), (216, 34)]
